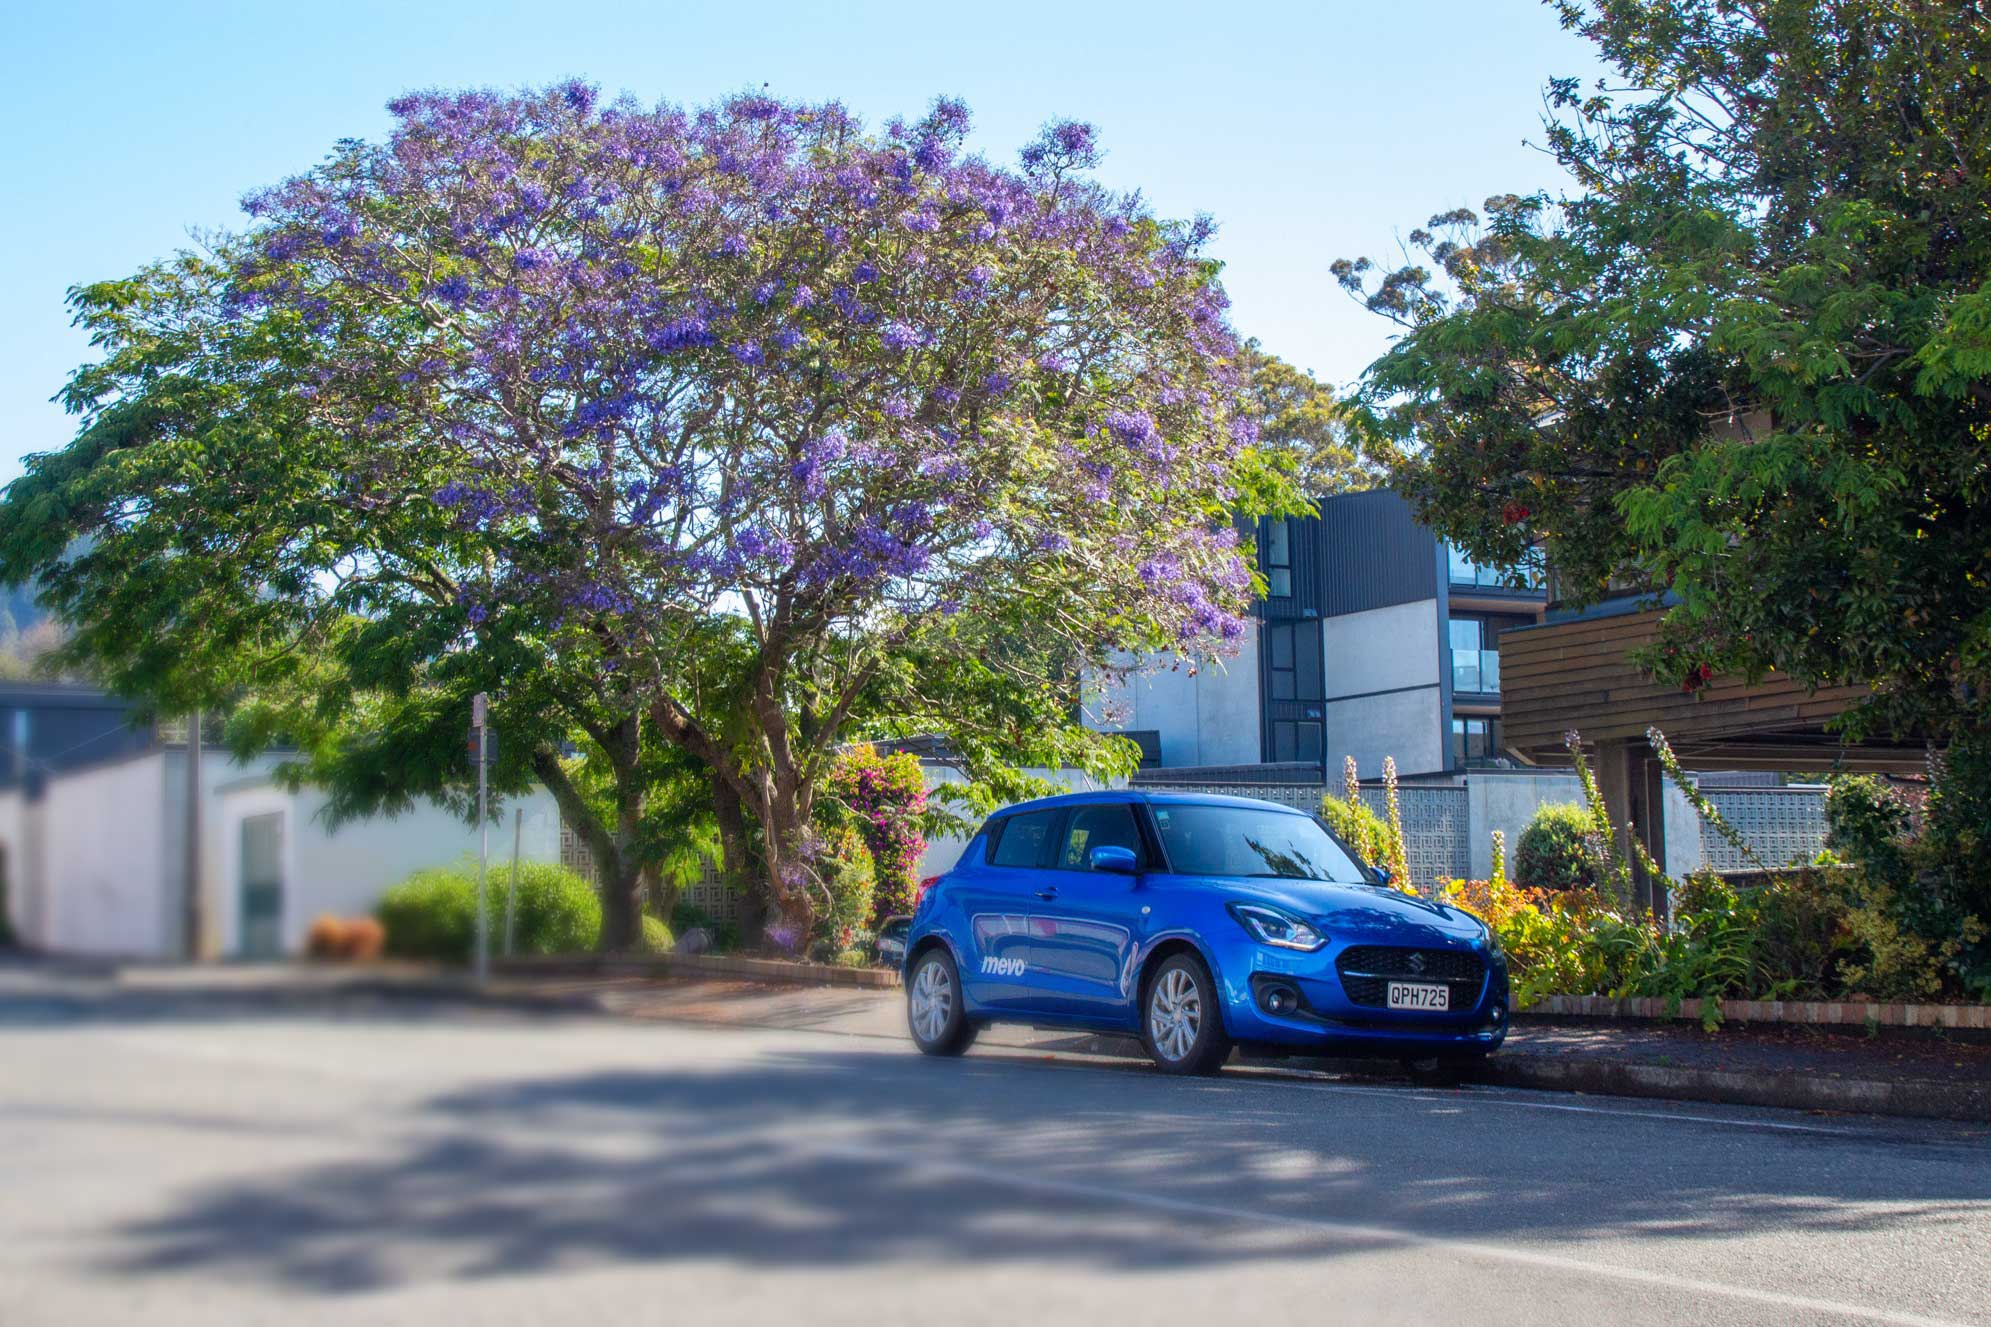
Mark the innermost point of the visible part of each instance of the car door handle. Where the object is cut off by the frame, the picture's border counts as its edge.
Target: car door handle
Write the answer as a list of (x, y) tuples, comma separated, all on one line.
[(1048, 894)]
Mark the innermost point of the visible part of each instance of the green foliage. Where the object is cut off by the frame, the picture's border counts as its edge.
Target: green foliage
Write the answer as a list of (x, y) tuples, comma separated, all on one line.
[(433, 913), (848, 875), (657, 937), (1558, 849), (688, 916), (1356, 824), (1303, 427), (1744, 361)]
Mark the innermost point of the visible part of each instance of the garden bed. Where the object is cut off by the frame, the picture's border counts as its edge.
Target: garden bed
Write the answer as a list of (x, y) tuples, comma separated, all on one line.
[(1816, 1013)]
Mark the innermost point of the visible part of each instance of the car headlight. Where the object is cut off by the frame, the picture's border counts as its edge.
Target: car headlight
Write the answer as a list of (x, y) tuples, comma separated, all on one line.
[(1281, 930)]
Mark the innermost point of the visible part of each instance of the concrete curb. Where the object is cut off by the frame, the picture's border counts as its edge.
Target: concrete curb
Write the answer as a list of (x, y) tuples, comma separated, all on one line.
[(1914, 1098), (1911, 1098)]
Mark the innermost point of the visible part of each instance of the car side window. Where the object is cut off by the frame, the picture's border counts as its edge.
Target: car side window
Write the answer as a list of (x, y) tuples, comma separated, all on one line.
[(1107, 825), (1024, 839)]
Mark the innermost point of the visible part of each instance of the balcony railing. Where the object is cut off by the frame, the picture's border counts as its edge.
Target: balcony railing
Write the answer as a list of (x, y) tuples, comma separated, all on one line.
[(1476, 670)]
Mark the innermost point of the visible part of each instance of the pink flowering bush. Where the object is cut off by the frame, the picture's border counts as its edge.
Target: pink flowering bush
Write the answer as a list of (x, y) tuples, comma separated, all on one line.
[(885, 797)]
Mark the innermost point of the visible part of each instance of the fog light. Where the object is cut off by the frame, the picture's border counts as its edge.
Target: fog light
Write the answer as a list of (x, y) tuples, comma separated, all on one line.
[(1281, 1000), (1500, 1013)]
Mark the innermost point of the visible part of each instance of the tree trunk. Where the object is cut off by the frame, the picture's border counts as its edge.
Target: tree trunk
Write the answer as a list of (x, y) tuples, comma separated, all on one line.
[(621, 905), (736, 865)]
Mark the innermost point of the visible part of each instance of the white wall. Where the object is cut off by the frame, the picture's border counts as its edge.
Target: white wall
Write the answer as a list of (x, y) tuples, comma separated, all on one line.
[(1405, 724), (100, 842), (1383, 649), (1205, 712), (344, 871), (1507, 802), (1383, 695)]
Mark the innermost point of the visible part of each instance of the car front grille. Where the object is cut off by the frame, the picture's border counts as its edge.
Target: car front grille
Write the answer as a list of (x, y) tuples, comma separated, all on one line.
[(1366, 972)]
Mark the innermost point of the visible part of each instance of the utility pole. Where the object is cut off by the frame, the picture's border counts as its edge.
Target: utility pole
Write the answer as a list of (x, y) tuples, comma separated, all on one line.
[(479, 714), (194, 915)]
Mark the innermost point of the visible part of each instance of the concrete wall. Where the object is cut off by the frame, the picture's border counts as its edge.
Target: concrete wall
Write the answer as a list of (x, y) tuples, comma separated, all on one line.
[(344, 871), (1383, 692), (942, 853), (1403, 724), (1507, 802), (1206, 713)]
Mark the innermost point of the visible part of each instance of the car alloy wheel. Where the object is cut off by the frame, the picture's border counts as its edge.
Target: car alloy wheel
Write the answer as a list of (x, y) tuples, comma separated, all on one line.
[(1175, 1013), (935, 1014), (1181, 1024), (932, 1000)]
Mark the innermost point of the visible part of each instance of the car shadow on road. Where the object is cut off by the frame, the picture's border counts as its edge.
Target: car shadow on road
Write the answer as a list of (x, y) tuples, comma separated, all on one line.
[(866, 1157)]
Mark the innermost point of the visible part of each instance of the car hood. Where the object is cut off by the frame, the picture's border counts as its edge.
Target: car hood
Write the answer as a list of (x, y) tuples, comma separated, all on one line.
[(1368, 912)]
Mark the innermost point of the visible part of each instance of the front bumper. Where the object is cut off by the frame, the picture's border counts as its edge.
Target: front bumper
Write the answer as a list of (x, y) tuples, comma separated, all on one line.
[(1298, 1002)]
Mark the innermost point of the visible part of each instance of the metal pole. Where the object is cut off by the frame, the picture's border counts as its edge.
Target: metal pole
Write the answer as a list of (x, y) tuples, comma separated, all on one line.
[(511, 889), (194, 914), (478, 713)]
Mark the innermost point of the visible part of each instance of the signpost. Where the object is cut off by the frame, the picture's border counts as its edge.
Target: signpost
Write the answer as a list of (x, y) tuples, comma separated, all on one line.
[(479, 714), (511, 887)]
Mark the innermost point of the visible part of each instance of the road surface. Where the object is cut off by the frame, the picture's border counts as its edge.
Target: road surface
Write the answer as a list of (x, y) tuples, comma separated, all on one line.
[(181, 1162)]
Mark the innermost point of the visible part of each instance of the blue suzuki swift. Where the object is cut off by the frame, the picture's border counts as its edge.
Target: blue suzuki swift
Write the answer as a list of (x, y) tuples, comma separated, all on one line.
[(1199, 923)]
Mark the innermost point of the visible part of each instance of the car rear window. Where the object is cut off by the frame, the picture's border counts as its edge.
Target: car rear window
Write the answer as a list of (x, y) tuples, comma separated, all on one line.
[(1024, 838)]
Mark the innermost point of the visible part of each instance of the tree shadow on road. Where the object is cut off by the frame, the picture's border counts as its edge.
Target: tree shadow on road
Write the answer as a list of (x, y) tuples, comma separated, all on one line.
[(865, 1157)]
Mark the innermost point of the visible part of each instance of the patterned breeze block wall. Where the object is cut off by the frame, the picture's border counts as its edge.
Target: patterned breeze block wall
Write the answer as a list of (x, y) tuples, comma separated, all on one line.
[(1436, 833), (1783, 825), (708, 893), (1436, 830)]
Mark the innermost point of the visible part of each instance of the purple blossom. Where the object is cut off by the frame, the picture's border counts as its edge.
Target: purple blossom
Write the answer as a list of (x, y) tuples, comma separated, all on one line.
[(747, 352)]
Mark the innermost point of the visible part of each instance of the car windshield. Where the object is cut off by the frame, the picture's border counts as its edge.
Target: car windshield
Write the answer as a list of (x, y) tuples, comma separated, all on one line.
[(1247, 841)]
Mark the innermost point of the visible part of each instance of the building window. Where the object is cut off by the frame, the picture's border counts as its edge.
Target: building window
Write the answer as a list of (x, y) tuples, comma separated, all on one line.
[(1297, 740), (1475, 742), (1292, 661), (1464, 571), (1279, 558), (1475, 668)]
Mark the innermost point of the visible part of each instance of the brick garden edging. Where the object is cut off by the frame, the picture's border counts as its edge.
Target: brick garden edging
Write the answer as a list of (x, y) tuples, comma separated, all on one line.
[(776, 970), (1856, 1013)]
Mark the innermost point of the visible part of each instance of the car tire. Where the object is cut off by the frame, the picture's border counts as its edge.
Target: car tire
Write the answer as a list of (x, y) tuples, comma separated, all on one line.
[(934, 1014), (1182, 1022)]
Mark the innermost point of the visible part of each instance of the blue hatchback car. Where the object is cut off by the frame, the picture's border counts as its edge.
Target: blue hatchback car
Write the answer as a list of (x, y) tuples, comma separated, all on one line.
[(1199, 923)]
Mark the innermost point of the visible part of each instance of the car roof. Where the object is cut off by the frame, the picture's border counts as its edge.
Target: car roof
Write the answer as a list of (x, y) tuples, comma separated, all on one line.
[(1152, 798)]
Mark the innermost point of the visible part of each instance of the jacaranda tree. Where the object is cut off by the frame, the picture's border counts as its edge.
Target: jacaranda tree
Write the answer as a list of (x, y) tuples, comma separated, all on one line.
[(690, 436)]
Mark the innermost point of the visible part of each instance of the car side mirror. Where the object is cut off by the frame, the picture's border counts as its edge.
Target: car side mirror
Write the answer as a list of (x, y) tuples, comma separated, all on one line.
[(1382, 874), (1118, 860)]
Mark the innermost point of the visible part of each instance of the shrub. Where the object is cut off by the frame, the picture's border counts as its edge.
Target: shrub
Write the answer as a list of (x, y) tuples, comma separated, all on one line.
[(688, 916), (1557, 849), (884, 798), (1358, 826), (433, 913), (657, 937), (848, 875)]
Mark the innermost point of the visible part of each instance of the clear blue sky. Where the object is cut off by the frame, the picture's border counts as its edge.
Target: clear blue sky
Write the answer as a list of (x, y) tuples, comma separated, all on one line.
[(1310, 131)]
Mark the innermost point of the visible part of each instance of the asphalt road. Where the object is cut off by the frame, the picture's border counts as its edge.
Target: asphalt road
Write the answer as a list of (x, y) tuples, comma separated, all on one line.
[(168, 1162)]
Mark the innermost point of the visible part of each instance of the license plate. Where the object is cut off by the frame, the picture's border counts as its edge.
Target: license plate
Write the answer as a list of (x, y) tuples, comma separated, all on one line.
[(1406, 995)]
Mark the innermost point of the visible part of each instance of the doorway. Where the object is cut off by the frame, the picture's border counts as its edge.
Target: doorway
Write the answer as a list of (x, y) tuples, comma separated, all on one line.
[(262, 886)]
